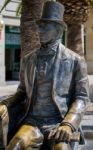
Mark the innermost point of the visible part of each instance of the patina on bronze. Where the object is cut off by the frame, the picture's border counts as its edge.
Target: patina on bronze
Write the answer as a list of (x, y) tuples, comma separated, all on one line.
[(54, 87)]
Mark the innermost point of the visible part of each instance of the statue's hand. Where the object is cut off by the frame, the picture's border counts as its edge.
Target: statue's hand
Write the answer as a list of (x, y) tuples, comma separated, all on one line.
[(62, 133), (4, 113), (4, 122)]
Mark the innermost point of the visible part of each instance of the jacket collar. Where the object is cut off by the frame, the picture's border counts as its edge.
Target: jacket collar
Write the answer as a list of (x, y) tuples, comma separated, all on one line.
[(49, 49), (58, 45), (63, 54)]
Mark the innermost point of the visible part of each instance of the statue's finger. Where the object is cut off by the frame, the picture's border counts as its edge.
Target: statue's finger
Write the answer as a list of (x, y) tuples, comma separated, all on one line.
[(52, 134), (66, 137), (61, 138), (57, 135)]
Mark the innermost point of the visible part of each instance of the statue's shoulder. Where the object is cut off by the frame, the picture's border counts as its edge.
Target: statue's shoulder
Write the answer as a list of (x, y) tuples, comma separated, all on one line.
[(69, 53)]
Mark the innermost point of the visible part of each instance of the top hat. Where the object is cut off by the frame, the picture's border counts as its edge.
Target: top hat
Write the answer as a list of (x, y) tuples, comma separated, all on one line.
[(53, 11)]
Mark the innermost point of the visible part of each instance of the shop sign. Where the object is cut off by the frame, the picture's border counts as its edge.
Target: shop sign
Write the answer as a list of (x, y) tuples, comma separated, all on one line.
[(12, 37)]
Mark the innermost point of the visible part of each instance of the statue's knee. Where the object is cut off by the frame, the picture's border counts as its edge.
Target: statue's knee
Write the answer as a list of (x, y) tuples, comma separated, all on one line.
[(30, 136), (36, 138), (27, 136), (62, 146), (15, 144)]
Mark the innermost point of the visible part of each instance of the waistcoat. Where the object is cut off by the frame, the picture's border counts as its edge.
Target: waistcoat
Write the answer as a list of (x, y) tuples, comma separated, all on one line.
[(43, 105)]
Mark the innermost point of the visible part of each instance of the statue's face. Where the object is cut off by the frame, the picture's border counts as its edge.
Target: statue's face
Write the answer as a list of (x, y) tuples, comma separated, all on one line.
[(47, 31)]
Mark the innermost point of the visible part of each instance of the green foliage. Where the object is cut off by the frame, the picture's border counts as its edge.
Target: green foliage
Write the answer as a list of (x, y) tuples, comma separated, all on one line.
[(91, 3), (5, 3), (18, 10)]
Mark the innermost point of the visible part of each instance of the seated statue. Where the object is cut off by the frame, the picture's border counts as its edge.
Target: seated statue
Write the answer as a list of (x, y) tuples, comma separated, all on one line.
[(53, 91)]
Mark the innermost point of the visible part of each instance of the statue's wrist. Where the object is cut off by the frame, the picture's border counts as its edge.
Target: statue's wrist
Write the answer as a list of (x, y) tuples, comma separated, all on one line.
[(65, 123)]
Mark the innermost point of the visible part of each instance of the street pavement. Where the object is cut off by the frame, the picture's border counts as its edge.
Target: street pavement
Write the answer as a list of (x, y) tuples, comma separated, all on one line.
[(8, 88), (87, 123)]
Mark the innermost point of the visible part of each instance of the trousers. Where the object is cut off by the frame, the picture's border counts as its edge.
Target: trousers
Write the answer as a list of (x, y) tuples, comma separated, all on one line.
[(31, 138)]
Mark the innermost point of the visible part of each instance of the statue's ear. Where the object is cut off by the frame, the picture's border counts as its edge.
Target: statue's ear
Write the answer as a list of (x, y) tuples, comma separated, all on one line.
[(60, 30)]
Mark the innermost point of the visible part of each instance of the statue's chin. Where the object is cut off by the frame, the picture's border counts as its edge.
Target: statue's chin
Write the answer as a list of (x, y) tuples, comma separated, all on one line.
[(43, 40)]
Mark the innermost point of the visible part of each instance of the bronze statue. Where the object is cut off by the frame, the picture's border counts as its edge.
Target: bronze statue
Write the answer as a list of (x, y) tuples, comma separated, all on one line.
[(54, 87)]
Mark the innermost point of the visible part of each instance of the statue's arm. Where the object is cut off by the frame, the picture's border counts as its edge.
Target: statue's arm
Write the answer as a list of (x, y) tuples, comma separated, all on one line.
[(20, 94), (81, 97), (8, 102)]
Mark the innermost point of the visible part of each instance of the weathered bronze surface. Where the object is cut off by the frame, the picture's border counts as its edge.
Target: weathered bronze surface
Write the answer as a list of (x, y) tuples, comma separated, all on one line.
[(54, 89)]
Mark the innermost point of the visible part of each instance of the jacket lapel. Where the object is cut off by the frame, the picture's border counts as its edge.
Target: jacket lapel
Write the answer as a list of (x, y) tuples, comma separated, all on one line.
[(62, 76), (61, 58), (30, 75)]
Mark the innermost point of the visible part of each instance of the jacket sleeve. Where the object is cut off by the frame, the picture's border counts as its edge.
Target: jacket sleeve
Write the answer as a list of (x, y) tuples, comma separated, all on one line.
[(20, 94), (81, 96)]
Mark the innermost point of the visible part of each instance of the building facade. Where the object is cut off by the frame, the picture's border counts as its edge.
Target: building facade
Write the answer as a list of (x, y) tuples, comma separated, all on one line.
[(10, 43)]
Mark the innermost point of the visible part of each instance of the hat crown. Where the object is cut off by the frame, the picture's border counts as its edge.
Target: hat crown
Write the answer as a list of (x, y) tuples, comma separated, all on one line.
[(53, 11)]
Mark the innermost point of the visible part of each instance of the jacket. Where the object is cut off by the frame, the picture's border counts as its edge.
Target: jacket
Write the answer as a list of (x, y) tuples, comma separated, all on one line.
[(70, 85)]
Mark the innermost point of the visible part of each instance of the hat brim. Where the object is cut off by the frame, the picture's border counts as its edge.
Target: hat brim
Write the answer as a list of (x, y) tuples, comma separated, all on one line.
[(62, 23)]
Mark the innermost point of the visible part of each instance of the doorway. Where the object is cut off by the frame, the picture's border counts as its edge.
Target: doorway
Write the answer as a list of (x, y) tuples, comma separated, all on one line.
[(12, 52), (12, 63)]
